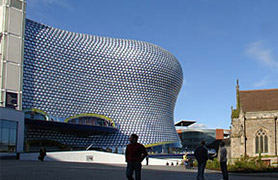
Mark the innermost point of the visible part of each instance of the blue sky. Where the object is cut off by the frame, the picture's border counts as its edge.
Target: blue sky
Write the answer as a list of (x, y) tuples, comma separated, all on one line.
[(216, 42)]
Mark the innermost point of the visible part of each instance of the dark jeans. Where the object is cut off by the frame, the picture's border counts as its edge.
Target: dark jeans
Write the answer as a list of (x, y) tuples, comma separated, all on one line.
[(133, 166), (41, 157), (201, 170), (224, 170)]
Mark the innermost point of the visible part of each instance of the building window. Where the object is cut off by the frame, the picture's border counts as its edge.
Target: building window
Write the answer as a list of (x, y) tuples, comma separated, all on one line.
[(8, 133), (261, 141), (16, 3)]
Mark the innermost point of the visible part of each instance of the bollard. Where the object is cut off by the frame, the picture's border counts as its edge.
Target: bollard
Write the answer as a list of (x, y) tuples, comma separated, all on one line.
[(17, 156)]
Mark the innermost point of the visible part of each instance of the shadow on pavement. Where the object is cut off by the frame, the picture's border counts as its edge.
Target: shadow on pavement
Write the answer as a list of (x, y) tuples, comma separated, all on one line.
[(48, 170)]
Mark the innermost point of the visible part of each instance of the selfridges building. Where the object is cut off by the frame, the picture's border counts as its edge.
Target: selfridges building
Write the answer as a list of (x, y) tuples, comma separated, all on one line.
[(133, 83)]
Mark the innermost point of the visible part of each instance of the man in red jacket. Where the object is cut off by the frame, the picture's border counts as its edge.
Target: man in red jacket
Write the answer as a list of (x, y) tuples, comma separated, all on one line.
[(134, 155)]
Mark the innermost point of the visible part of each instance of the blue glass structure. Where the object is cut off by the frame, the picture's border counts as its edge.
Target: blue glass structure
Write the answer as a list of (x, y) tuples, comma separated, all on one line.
[(134, 83), (8, 132)]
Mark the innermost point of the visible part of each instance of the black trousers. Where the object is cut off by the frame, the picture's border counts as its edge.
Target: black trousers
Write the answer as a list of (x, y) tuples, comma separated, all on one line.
[(133, 166), (224, 170), (41, 157)]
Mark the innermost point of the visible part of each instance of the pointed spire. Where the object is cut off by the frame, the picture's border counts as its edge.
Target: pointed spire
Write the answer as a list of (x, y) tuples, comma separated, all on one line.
[(237, 95)]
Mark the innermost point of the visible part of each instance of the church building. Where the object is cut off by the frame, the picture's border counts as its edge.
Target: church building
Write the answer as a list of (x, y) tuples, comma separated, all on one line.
[(254, 125)]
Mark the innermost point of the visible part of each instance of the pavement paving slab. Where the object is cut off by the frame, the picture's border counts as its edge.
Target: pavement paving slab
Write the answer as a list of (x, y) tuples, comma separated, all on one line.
[(53, 170)]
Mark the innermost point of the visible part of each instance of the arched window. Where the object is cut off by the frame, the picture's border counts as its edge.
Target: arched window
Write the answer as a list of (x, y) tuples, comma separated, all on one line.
[(261, 141)]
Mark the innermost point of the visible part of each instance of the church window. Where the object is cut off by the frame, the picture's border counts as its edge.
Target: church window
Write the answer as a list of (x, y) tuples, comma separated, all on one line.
[(261, 141)]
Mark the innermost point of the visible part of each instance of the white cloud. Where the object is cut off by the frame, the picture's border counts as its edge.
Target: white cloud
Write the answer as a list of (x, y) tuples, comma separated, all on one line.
[(258, 51), (263, 82), (198, 126)]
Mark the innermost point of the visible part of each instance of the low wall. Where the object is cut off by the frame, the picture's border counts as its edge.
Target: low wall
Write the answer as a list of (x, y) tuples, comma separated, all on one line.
[(91, 157)]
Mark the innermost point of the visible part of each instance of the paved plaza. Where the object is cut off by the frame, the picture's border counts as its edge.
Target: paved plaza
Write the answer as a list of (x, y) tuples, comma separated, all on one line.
[(50, 170)]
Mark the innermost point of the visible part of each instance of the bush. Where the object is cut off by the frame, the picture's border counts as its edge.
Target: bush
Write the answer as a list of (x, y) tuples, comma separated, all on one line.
[(244, 164), (235, 113), (247, 164), (213, 164)]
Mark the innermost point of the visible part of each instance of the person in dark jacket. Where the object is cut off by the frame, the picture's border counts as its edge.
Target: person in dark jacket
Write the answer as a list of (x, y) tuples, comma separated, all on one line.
[(134, 154), (201, 155)]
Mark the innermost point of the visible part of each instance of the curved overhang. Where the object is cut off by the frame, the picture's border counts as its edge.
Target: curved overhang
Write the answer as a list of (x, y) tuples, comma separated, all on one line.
[(91, 115), (68, 128), (38, 111), (163, 143)]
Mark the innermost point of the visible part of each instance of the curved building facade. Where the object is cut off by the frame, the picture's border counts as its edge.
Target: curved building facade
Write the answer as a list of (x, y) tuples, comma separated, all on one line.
[(134, 83)]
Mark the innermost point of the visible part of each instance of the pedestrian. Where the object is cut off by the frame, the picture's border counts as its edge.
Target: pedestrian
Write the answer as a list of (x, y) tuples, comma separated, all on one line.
[(42, 153), (201, 155), (223, 161), (190, 163), (147, 160), (185, 160), (134, 154)]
